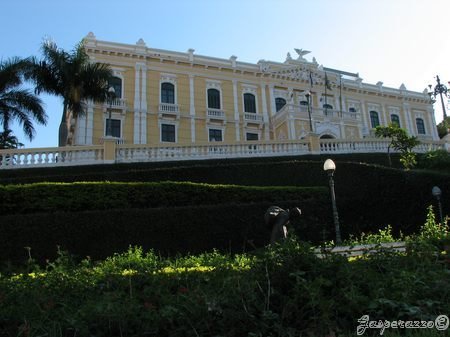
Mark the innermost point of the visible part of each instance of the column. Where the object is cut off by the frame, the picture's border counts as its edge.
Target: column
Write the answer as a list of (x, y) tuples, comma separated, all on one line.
[(273, 108), (364, 117), (408, 118), (90, 123), (432, 121), (80, 132), (192, 106), (236, 111), (265, 114), (383, 120), (137, 104), (143, 112)]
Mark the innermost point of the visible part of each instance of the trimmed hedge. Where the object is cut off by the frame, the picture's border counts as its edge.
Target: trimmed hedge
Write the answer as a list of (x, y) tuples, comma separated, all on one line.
[(200, 170), (52, 197), (169, 231)]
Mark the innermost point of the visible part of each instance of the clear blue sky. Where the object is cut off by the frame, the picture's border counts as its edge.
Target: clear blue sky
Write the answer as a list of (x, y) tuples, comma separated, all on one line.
[(393, 41)]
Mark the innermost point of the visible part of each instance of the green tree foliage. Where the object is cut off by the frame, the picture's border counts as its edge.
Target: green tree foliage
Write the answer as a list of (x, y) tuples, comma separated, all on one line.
[(401, 142), (71, 76), (8, 140), (18, 104), (443, 127)]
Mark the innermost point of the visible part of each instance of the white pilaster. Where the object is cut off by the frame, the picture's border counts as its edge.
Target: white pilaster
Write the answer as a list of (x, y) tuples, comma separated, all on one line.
[(383, 119), (432, 119), (365, 117), (143, 112), (90, 123), (236, 111), (264, 112), (273, 108), (80, 131), (137, 104), (192, 106), (408, 117)]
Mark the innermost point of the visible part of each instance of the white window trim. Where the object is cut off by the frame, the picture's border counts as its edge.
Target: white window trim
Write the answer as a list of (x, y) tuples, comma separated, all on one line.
[(258, 132), (169, 78), (250, 89), (117, 116), (215, 128), (118, 73), (214, 84), (176, 124)]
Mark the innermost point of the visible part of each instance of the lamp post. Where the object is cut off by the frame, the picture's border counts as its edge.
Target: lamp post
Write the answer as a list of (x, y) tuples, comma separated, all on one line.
[(329, 166), (440, 90), (111, 95), (436, 191), (308, 98)]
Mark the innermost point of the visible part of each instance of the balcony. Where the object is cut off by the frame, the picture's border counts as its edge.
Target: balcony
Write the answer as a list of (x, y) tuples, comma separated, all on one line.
[(217, 114), (169, 109), (253, 118)]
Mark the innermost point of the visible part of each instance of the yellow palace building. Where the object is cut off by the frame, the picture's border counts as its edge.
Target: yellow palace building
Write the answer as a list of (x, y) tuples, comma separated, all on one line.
[(166, 105), (180, 98)]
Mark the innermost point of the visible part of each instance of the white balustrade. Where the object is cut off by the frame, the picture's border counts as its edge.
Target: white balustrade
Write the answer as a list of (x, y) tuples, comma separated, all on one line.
[(253, 117), (46, 157), (215, 113), (126, 153), (169, 108)]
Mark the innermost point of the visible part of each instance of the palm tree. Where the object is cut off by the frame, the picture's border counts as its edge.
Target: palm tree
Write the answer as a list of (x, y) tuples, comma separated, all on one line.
[(18, 104), (73, 77), (8, 140)]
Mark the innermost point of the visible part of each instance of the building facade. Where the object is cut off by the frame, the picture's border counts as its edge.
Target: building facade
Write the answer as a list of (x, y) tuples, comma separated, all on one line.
[(181, 98)]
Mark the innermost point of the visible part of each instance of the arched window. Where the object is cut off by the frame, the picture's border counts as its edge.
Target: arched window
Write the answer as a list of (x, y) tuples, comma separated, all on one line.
[(395, 120), (116, 83), (328, 106), (304, 103), (213, 99), (353, 110), (326, 137), (249, 103), (280, 103), (374, 119), (420, 126), (167, 93)]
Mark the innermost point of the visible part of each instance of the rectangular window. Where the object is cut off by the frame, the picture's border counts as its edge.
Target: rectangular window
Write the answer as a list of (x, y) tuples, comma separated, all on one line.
[(420, 126), (215, 135), (252, 136), (115, 127), (168, 133)]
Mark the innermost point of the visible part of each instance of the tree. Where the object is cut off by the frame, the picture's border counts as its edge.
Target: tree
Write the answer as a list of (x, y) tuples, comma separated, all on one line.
[(72, 76), (8, 140), (18, 104), (443, 127), (400, 141)]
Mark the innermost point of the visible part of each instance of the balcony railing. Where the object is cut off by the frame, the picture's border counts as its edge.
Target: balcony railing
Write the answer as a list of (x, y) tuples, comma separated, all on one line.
[(169, 108), (117, 103), (215, 113), (128, 153), (253, 117)]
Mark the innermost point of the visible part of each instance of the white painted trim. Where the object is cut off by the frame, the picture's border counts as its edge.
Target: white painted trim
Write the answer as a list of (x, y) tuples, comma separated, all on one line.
[(214, 127), (175, 123)]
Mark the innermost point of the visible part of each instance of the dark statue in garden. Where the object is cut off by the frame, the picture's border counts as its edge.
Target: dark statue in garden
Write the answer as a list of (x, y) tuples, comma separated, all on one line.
[(277, 219)]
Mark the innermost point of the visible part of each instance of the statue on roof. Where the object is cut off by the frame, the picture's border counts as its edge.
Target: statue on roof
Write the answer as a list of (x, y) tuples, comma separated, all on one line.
[(301, 53)]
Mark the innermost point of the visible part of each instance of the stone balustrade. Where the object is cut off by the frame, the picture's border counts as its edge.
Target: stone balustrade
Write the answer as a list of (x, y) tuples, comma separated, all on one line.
[(112, 151)]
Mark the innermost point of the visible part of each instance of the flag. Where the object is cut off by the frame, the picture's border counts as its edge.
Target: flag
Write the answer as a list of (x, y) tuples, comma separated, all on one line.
[(310, 79)]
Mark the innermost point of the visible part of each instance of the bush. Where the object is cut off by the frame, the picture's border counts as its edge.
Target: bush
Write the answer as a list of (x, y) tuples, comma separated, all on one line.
[(167, 230), (284, 290), (71, 197)]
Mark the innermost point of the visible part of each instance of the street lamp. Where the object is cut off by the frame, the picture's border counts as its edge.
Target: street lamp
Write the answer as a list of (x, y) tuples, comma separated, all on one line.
[(111, 96), (329, 166), (436, 191), (440, 90), (308, 98)]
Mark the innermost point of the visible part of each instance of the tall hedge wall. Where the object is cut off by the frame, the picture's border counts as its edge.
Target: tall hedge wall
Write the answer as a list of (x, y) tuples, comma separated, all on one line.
[(168, 230)]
